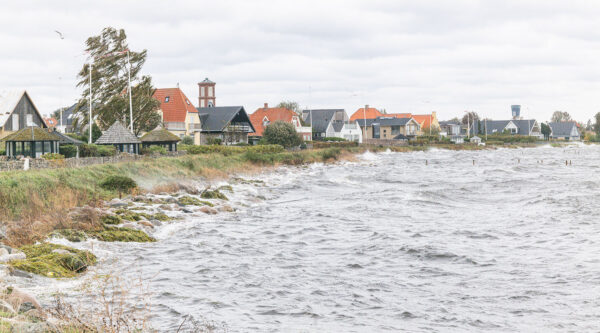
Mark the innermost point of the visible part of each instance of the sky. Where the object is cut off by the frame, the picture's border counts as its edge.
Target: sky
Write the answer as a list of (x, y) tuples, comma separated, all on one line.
[(401, 56)]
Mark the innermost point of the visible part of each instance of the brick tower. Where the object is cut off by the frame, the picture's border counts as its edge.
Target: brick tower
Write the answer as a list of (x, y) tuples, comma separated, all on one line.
[(206, 96)]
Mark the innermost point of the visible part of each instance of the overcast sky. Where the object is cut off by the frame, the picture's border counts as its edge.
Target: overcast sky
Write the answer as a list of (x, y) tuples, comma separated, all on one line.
[(402, 56)]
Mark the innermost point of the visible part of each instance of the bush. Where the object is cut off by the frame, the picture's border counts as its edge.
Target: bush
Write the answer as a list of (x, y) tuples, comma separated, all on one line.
[(282, 133), (331, 153), (344, 144), (214, 141), (507, 138), (229, 150), (118, 183), (333, 139), (2, 150), (187, 140), (68, 151), (154, 150), (87, 150), (53, 156)]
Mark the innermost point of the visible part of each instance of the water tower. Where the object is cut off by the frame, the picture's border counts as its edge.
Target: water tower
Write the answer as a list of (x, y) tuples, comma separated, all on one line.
[(516, 111)]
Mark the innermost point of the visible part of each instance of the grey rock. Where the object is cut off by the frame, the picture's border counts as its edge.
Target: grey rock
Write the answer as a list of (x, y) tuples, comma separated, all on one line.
[(26, 306), (20, 273), (8, 248), (20, 296), (5, 307), (156, 223), (116, 203), (185, 210)]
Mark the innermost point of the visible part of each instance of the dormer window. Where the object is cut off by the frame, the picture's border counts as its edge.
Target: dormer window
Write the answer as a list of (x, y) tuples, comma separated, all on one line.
[(167, 99), (188, 102), (266, 121)]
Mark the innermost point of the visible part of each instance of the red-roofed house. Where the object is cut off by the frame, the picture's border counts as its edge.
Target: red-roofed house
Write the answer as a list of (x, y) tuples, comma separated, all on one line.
[(178, 113), (264, 116), (369, 113), (427, 121), (51, 122)]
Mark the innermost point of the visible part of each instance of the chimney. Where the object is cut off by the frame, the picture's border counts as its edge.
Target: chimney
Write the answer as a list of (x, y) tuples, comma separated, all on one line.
[(266, 105), (367, 107)]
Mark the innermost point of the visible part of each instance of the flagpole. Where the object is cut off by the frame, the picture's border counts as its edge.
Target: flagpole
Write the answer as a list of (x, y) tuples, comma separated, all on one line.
[(129, 86), (90, 101)]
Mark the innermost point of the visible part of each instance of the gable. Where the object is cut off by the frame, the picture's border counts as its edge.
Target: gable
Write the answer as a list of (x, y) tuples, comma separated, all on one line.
[(22, 111)]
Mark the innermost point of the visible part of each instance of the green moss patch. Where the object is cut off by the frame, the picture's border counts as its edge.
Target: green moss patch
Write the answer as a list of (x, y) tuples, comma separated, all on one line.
[(208, 194), (71, 235), (227, 188), (129, 215), (41, 260), (111, 219), (191, 201), (114, 234)]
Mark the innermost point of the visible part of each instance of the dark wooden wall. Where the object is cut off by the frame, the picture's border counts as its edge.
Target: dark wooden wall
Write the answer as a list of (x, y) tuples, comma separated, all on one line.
[(24, 107)]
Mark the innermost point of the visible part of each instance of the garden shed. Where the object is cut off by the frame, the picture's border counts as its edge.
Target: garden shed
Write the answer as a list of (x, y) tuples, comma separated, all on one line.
[(120, 137), (160, 137), (31, 141)]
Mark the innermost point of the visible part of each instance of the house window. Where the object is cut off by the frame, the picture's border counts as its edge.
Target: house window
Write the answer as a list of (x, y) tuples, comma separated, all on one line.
[(167, 99), (15, 122), (513, 131), (29, 119), (210, 92), (266, 121), (395, 130), (202, 94)]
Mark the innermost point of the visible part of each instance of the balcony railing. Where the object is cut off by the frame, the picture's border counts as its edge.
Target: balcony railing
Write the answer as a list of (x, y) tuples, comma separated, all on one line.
[(175, 126), (243, 128), (195, 127)]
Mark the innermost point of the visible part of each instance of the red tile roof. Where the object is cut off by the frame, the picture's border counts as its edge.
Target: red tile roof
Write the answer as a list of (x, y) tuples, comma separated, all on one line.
[(371, 113), (51, 122), (177, 107), (423, 119), (272, 114)]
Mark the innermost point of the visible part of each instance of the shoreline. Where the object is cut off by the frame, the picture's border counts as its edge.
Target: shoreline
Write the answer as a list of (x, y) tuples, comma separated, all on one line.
[(176, 189)]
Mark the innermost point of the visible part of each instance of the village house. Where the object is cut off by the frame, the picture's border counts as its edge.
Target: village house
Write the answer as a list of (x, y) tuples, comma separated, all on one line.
[(17, 111), (332, 123), (178, 114), (428, 123), (565, 130), (230, 124), (68, 118), (390, 128), (264, 116), (526, 127)]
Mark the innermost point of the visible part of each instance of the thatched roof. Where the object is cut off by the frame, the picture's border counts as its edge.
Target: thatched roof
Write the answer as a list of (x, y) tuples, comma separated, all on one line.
[(31, 133), (116, 134), (67, 140), (160, 135)]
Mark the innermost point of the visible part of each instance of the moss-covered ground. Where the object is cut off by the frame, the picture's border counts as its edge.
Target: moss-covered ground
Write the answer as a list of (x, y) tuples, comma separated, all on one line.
[(53, 260)]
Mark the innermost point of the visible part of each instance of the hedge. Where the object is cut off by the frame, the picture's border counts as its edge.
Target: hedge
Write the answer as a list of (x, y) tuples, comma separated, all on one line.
[(345, 144), (229, 150)]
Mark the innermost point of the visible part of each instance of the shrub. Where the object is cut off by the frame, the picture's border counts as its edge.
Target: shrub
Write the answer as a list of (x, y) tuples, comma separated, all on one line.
[(118, 183), (2, 149), (79, 137), (331, 153), (107, 150), (214, 141), (345, 144), (68, 151), (333, 139), (282, 133), (53, 156), (154, 150), (187, 140)]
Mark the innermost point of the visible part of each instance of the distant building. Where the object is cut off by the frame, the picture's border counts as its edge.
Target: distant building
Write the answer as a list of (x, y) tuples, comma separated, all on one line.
[(178, 114), (516, 112), (230, 124), (121, 138), (332, 123), (17, 111), (366, 113), (566, 130), (450, 128), (50, 122), (390, 128), (68, 118), (527, 127), (265, 116)]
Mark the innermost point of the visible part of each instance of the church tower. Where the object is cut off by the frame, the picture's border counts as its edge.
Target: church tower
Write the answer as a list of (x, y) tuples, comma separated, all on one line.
[(206, 97)]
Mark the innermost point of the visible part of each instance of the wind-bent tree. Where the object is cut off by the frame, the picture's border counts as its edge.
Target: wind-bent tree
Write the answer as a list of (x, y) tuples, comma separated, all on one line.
[(559, 116), (596, 125), (110, 93)]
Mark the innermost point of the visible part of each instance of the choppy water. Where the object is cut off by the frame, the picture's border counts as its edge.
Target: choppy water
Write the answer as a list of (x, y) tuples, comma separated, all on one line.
[(390, 244)]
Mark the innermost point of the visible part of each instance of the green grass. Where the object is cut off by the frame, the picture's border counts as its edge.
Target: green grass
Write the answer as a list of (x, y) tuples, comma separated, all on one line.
[(42, 260)]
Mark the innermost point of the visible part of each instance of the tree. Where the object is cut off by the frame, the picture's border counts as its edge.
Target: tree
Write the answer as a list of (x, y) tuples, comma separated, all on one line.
[(559, 116), (596, 126), (470, 117), (282, 133), (110, 83), (118, 183), (187, 140), (545, 131), (293, 106)]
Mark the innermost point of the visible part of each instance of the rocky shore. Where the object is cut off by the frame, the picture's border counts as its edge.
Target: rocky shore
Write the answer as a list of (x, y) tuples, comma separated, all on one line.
[(131, 219)]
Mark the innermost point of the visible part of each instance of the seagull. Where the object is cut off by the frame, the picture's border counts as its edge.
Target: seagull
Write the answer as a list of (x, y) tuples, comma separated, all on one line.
[(59, 34)]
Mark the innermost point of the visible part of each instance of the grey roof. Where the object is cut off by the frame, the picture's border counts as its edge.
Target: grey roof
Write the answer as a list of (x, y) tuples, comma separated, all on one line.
[(216, 118), (562, 128), (494, 126), (67, 140), (69, 114), (337, 125), (525, 126), (206, 80), (384, 121), (320, 118), (116, 134)]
